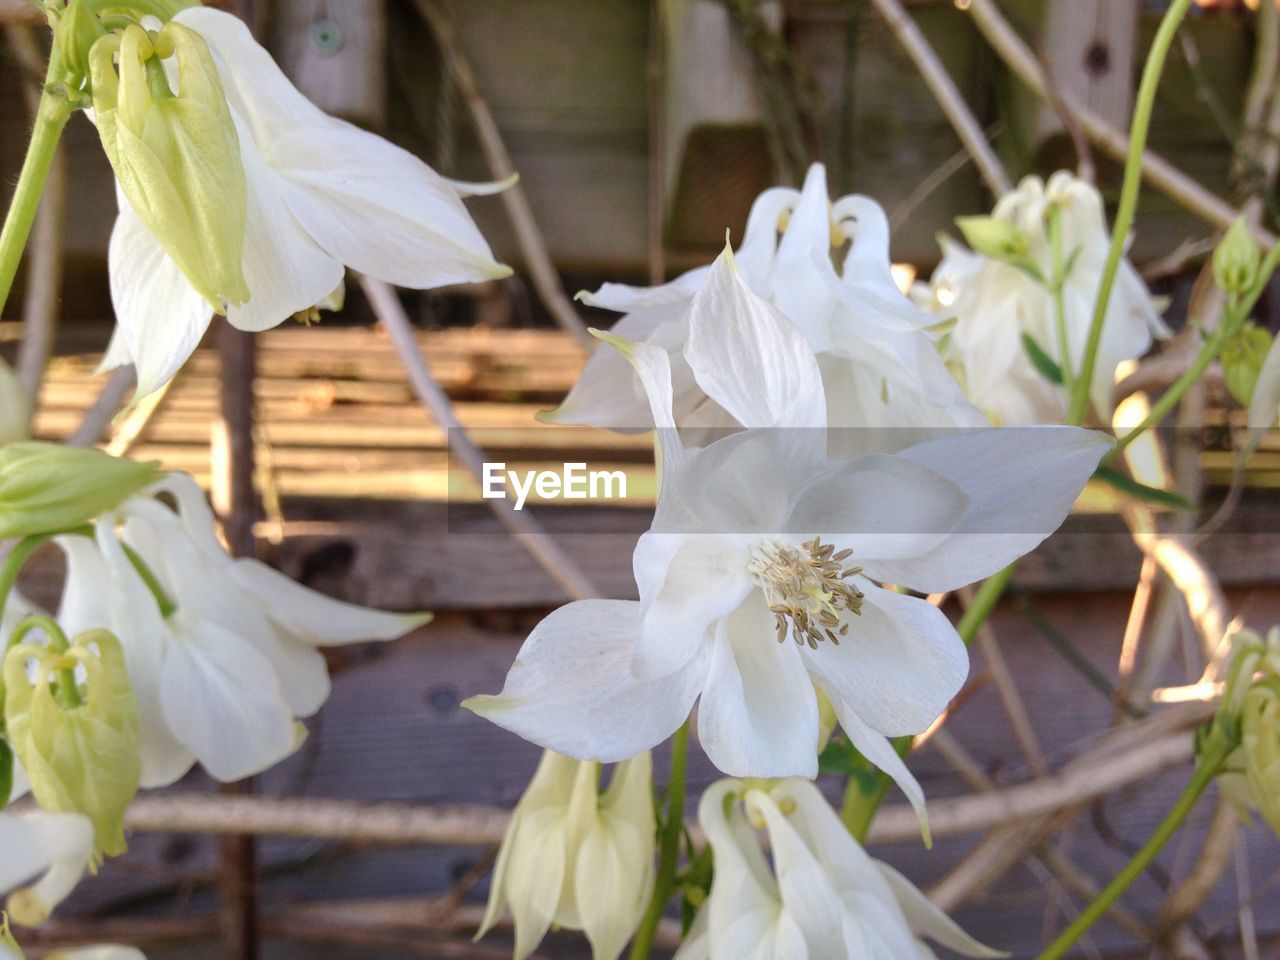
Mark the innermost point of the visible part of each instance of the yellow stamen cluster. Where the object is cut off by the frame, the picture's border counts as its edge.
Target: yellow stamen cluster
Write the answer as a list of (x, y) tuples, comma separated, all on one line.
[(806, 590)]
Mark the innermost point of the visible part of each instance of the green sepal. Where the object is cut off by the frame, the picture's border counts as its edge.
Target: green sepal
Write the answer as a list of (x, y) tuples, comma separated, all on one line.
[(1045, 365)]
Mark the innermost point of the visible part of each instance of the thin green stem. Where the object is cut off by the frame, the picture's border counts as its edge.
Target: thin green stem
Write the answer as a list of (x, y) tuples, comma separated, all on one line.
[(1209, 765), (1056, 284), (21, 553), (984, 601), (669, 847), (152, 582), (51, 117), (1128, 200), (1236, 314)]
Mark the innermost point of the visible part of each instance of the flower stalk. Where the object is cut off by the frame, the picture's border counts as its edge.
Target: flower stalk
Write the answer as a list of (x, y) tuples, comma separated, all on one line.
[(669, 849), (1142, 110), (51, 117), (1217, 750)]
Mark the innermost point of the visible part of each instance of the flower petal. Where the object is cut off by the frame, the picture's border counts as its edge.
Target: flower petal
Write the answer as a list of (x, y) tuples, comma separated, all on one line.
[(749, 357), (161, 319), (222, 700), (1021, 483), (571, 688), (758, 715), (927, 920), (284, 268), (876, 747), (705, 579), (881, 507), (900, 665), (52, 849)]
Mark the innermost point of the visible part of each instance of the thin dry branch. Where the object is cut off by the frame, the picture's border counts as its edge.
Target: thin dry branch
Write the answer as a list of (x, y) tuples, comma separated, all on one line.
[(534, 248), (527, 531), (944, 90), (1161, 174)]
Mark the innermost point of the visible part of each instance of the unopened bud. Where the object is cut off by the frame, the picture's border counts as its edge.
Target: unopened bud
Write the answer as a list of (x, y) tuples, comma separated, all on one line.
[(47, 487), (176, 156), (75, 33), (1242, 359), (1236, 261), (75, 729), (1260, 748), (995, 238)]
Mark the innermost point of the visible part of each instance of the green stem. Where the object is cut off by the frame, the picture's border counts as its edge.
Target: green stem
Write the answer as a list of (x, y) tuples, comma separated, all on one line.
[(1056, 285), (152, 582), (1236, 314), (669, 849), (1128, 200), (1209, 765), (21, 553), (51, 116), (863, 799)]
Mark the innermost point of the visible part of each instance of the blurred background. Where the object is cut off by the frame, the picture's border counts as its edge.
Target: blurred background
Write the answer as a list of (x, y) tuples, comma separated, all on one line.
[(641, 132)]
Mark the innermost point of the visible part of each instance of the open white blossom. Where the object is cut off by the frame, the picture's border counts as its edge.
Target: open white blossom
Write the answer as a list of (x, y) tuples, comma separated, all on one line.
[(577, 858), (879, 367), (822, 898), (995, 303), (44, 857), (322, 195), (222, 674), (761, 576)]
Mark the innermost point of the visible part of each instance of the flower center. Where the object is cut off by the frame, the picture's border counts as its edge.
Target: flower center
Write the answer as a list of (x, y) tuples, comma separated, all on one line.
[(806, 590)]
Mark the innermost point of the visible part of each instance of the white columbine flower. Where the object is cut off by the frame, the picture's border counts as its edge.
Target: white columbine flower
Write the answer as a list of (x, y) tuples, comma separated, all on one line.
[(322, 195), (761, 576), (577, 858), (879, 367), (222, 675), (995, 303), (822, 898), (45, 855)]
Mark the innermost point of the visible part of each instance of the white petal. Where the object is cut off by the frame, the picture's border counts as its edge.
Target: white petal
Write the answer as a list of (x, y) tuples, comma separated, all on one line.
[(51, 849), (285, 270), (1021, 483), (221, 699), (628, 299), (571, 688), (927, 920), (366, 202), (312, 618), (751, 359), (758, 716), (705, 579), (875, 746), (104, 590), (899, 666), (161, 318), (607, 393), (880, 507), (1265, 405)]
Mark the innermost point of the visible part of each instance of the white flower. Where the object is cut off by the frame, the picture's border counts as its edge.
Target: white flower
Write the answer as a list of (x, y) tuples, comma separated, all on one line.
[(222, 676), (1264, 408), (879, 367), (756, 581), (45, 855), (15, 407), (578, 858), (323, 195), (994, 303), (823, 898)]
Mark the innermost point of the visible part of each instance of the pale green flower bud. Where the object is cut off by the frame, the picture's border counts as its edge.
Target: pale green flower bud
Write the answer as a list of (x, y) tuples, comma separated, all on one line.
[(1236, 261), (75, 33), (176, 154), (994, 237), (47, 487), (1242, 359), (15, 407), (1260, 749), (77, 738)]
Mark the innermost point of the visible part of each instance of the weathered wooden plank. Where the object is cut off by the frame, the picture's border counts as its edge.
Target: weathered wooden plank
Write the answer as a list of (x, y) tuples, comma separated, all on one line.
[(335, 53)]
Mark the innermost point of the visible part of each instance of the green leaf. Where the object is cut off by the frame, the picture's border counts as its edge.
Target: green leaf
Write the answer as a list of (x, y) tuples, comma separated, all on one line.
[(1163, 498), (842, 757), (6, 773), (1044, 364)]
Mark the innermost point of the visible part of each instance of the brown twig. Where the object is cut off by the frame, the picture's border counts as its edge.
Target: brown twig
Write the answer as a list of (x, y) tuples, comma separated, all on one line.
[(537, 259)]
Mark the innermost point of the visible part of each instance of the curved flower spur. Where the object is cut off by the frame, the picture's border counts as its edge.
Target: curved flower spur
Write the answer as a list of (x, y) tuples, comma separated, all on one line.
[(744, 606)]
